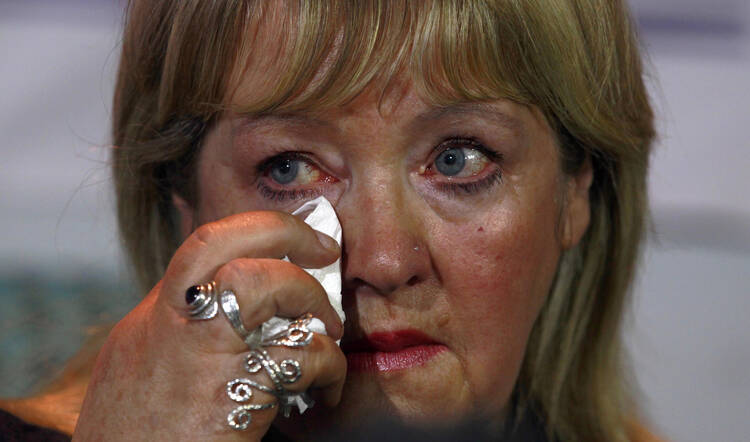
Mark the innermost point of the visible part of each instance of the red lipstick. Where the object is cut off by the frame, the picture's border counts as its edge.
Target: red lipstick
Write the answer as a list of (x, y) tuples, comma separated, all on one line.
[(388, 351)]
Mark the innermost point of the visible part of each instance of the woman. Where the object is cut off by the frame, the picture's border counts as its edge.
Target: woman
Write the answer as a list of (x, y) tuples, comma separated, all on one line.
[(486, 160)]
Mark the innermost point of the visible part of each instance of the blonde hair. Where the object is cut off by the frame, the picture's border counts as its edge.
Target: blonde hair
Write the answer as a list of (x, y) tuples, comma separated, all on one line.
[(576, 60)]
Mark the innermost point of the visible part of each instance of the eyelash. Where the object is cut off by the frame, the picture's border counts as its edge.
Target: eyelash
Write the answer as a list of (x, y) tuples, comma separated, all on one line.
[(450, 188), (283, 195), (455, 188), (462, 141), (471, 188)]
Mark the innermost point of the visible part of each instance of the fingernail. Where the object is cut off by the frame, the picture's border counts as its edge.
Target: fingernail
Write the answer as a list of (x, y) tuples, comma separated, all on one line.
[(327, 242)]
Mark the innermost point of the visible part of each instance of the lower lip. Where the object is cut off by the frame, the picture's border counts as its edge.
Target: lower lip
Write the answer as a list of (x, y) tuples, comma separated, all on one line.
[(392, 360)]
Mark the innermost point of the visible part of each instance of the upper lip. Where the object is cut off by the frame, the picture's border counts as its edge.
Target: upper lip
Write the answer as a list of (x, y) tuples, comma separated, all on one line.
[(387, 341)]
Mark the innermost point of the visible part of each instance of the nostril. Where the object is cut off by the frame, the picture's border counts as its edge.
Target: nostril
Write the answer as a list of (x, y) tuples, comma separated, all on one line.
[(412, 281)]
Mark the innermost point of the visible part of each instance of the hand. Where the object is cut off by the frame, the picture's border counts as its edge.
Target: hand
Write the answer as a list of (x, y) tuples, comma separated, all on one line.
[(163, 376)]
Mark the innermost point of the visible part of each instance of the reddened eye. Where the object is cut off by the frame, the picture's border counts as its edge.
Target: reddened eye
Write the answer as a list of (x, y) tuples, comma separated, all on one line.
[(292, 171), (292, 176), (460, 162), (463, 166)]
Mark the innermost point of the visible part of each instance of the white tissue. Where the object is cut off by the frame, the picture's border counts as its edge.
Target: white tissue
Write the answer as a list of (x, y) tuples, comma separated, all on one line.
[(322, 218)]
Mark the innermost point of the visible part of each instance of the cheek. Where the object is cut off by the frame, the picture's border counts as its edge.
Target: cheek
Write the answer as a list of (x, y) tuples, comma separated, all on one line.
[(511, 260)]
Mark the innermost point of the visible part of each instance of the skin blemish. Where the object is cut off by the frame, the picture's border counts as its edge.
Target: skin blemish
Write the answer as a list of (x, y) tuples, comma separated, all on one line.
[(480, 229), (442, 321)]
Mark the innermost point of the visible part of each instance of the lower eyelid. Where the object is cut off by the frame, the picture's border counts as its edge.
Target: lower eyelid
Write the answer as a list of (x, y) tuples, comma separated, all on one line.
[(471, 187), (281, 195)]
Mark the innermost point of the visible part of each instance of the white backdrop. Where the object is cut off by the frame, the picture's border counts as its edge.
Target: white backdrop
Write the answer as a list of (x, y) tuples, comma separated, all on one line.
[(688, 333)]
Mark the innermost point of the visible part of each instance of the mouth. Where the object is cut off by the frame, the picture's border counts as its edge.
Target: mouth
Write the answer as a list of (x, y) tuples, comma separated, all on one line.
[(390, 351)]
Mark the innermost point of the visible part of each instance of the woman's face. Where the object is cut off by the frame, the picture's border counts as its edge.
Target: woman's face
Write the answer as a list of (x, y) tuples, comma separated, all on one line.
[(453, 220)]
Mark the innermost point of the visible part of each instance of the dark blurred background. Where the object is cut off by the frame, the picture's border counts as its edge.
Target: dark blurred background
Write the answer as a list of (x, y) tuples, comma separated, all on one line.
[(61, 270)]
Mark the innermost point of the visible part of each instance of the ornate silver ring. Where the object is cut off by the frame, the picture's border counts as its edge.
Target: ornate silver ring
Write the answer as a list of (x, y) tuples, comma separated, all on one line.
[(287, 372)]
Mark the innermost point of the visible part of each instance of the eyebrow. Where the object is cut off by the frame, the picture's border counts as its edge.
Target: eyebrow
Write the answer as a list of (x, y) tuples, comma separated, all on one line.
[(305, 120), (249, 122), (481, 110)]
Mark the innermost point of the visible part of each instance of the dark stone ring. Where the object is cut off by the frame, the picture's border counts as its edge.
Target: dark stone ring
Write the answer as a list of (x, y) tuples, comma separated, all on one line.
[(201, 299)]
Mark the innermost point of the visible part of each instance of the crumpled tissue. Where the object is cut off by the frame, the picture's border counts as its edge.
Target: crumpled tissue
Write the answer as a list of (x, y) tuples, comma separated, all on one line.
[(323, 218)]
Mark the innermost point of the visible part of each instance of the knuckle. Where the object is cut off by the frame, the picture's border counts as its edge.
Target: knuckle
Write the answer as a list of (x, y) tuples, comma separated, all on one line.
[(258, 274), (293, 271), (231, 272), (206, 233), (195, 245), (182, 261), (251, 273), (318, 344), (284, 222), (329, 358)]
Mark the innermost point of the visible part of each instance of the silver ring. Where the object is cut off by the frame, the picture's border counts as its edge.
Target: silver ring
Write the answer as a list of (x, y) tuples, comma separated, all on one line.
[(287, 372), (231, 309), (201, 299), (296, 334), (241, 390)]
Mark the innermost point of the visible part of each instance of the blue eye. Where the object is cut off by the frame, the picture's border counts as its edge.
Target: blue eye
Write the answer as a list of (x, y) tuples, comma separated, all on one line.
[(450, 162), (284, 170)]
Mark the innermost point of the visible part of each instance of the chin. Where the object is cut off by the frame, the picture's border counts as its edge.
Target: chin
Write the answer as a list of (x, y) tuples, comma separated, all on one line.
[(367, 404), (433, 393)]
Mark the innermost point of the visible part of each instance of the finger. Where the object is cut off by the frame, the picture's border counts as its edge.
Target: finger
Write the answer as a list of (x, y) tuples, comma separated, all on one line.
[(269, 287), (264, 288), (322, 367), (259, 234)]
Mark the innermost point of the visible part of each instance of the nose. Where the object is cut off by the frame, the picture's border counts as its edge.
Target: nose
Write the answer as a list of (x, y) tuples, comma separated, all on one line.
[(383, 240)]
